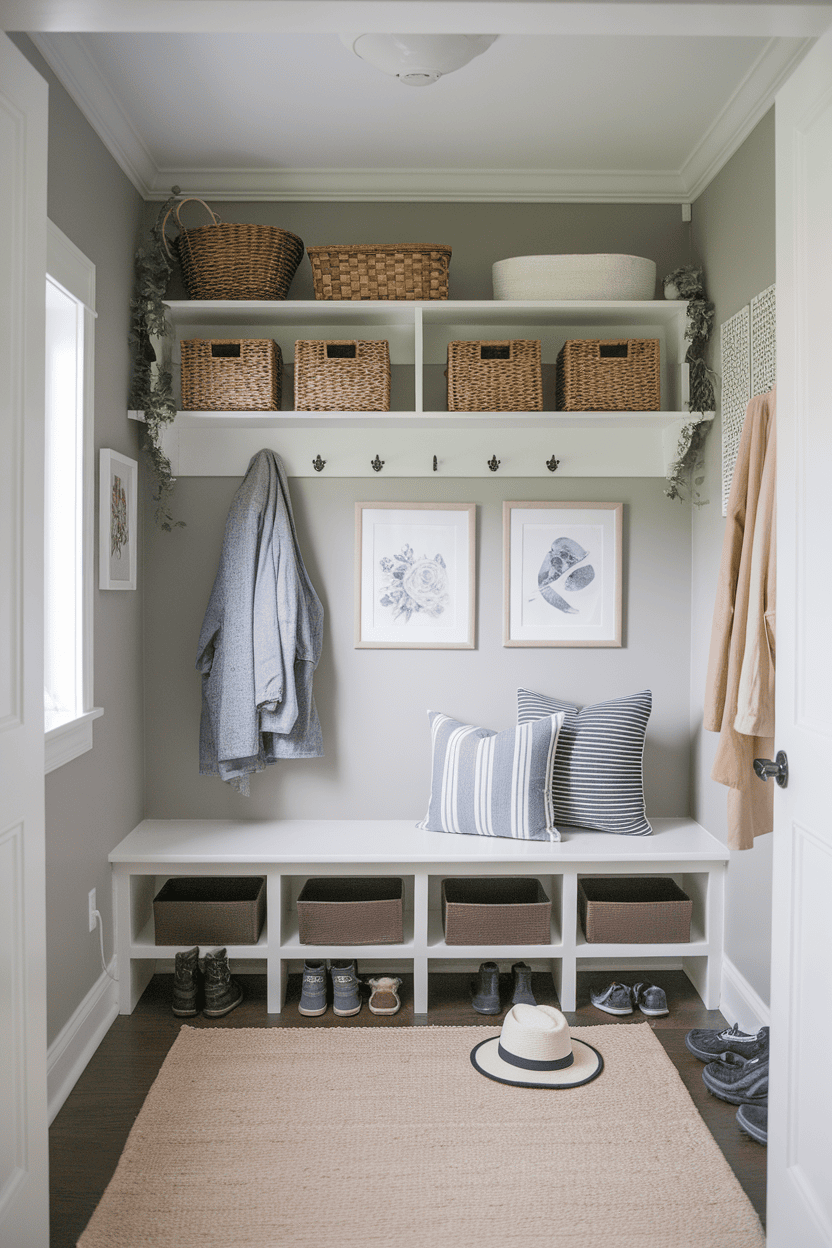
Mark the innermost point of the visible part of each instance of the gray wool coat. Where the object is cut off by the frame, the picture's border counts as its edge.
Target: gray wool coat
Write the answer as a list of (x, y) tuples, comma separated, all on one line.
[(261, 637)]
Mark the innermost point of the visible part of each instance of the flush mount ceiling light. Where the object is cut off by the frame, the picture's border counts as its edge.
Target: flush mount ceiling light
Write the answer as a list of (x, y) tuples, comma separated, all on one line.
[(418, 60)]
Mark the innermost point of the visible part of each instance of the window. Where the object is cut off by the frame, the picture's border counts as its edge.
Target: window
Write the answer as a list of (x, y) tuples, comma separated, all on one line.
[(68, 538)]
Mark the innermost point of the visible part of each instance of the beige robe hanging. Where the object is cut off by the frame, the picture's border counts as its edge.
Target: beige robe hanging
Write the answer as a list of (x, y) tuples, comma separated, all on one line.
[(739, 697)]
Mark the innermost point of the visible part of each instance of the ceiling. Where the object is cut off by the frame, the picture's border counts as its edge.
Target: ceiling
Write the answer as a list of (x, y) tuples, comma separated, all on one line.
[(260, 98)]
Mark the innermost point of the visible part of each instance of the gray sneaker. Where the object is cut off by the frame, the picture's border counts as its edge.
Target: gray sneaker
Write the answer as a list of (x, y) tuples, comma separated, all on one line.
[(738, 1082), (617, 999), (710, 1043), (313, 989), (650, 1000), (345, 985), (753, 1120)]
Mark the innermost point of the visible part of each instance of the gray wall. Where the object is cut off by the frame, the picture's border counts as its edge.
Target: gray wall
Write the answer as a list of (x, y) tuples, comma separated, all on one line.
[(373, 703), (734, 232), (94, 801)]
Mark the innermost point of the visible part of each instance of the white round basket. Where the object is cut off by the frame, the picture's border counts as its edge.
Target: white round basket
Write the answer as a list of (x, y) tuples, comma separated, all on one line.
[(574, 277)]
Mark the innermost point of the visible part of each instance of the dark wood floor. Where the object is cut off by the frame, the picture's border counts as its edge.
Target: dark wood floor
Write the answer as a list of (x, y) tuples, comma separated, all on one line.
[(88, 1134)]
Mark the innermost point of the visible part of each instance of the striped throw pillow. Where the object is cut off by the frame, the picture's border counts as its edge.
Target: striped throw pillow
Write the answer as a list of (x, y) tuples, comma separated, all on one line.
[(486, 783), (597, 780)]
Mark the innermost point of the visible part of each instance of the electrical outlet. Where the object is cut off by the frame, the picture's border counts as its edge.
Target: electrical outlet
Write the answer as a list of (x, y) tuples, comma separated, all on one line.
[(92, 909)]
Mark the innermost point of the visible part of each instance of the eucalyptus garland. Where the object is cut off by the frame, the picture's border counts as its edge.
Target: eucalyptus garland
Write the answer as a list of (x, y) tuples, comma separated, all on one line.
[(152, 389), (687, 282)]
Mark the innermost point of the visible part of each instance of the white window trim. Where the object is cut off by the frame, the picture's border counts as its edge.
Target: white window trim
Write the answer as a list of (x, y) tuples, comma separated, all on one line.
[(71, 269)]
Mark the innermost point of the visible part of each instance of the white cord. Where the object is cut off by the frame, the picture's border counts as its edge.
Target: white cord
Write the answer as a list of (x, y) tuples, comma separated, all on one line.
[(100, 925)]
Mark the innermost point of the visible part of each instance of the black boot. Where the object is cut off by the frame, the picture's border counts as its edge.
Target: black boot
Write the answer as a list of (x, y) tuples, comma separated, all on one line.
[(522, 994), (187, 983), (222, 993), (486, 989)]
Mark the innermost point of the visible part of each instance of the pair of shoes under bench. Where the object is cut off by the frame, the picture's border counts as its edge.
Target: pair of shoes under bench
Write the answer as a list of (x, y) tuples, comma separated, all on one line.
[(346, 999), (620, 999)]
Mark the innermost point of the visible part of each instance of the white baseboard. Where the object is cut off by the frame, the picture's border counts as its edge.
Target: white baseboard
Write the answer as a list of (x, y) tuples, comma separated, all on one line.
[(739, 1002), (78, 1039)]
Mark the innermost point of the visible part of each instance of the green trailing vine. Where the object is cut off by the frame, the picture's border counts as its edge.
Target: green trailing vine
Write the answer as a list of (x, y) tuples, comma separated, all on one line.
[(687, 282), (152, 389)]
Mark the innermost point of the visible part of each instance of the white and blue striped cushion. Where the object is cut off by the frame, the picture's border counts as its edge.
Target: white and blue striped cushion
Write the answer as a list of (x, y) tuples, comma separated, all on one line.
[(597, 781), (486, 783)]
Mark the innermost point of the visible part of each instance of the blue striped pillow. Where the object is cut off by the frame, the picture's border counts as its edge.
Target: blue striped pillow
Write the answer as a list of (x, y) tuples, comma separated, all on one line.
[(597, 781), (486, 783)]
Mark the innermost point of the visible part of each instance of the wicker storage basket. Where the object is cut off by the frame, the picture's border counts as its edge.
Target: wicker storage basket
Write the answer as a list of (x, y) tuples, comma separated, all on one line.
[(634, 910), (349, 910), (380, 271), (342, 375), (225, 260), (608, 375), (231, 375), (210, 910), (502, 376), (489, 910)]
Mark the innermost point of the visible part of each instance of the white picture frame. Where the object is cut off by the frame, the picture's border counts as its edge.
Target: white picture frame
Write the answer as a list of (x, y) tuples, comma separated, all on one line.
[(562, 574), (117, 510), (414, 576)]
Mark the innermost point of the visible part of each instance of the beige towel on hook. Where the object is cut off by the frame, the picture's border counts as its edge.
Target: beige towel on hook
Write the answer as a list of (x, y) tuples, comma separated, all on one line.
[(739, 697)]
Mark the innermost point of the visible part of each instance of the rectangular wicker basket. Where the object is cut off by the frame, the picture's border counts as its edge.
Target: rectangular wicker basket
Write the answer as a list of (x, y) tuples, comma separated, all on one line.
[(210, 910), (342, 375), (501, 376), (350, 910), (495, 910), (608, 375), (634, 910), (380, 271), (231, 375)]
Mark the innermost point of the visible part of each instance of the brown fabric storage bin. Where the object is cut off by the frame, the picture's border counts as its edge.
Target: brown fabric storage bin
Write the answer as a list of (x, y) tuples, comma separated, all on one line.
[(634, 910), (342, 375), (380, 271), (487, 910), (498, 376), (608, 375), (210, 910), (350, 910), (231, 375)]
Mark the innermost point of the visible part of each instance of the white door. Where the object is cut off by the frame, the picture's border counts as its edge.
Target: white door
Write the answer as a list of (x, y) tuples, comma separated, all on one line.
[(799, 1131), (24, 1221)]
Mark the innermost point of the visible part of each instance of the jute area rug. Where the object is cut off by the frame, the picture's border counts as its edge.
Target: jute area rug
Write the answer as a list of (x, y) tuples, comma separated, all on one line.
[(315, 1136)]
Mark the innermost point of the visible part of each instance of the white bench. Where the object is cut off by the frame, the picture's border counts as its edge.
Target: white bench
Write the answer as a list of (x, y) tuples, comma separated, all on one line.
[(288, 851)]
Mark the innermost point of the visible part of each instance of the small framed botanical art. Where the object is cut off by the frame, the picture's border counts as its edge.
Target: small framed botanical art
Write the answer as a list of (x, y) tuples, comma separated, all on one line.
[(414, 576), (562, 574), (118, 537)]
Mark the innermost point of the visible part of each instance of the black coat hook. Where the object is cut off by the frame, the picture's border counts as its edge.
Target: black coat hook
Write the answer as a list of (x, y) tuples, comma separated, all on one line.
[(318, 464), (494, 463), (435, 463), (376, 464), (552, 464)]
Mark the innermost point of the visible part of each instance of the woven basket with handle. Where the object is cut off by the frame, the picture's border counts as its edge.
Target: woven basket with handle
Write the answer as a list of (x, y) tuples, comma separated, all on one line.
[(502, 376), (608, 375), (225, 260), (342, 375), (380, 271)]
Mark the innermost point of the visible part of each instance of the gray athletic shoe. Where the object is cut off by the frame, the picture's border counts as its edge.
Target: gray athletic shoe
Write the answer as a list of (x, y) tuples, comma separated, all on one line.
[(313, 989), (650, 1000), (710, 1043), (617, 999), (738, 1082), (753, 1120), (345, 984)]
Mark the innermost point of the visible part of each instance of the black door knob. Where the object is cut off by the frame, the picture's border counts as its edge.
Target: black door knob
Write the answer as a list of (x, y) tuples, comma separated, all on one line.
[(778, 770)]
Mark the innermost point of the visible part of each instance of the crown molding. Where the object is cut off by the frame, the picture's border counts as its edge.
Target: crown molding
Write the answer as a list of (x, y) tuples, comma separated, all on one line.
[(68, 58), (420, 16)]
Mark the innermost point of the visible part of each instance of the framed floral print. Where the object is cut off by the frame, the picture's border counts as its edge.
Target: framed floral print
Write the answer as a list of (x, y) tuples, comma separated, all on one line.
[(562, 574), (118, 535), (414, 576)]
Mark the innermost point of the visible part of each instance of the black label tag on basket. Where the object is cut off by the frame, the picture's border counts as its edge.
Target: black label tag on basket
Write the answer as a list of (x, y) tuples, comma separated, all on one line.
[(500, 352), (614, 350), (340, 351), (225, 350)]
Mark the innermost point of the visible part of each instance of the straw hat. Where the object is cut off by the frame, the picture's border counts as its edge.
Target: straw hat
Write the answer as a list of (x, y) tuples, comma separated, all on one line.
[(535, 1050)]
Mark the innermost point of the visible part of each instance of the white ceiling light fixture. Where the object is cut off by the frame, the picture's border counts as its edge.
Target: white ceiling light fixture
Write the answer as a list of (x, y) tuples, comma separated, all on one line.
[(418, 60)]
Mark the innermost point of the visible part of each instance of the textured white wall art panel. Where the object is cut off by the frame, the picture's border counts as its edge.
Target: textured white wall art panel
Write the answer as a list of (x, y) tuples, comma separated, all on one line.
[(735, 340), (763, 342)]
